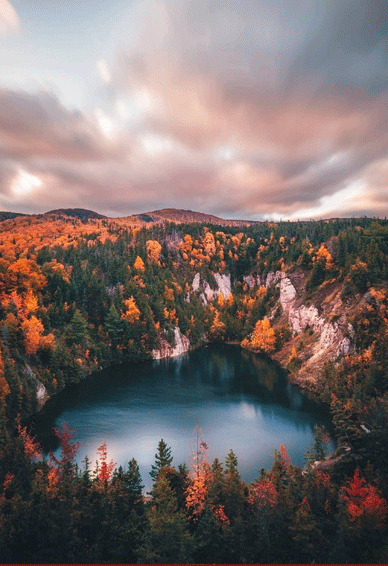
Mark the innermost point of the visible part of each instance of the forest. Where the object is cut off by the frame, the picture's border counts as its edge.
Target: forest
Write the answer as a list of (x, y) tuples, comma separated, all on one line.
[(79, 294)]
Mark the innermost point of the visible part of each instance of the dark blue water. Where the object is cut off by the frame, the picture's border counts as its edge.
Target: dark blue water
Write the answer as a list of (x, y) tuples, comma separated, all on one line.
[(239, 401)]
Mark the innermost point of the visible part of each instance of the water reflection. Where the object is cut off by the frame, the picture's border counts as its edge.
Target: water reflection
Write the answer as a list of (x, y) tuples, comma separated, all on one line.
[(239, 400)]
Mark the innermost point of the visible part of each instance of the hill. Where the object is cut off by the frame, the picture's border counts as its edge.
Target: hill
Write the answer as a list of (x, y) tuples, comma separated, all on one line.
[(180, 216), (81, 213)]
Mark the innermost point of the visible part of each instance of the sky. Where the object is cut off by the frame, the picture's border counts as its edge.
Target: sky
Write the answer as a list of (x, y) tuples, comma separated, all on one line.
[(253, 109)]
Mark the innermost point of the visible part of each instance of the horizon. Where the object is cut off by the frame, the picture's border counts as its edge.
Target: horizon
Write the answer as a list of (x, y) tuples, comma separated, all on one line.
[(262, 111), (156, 212)]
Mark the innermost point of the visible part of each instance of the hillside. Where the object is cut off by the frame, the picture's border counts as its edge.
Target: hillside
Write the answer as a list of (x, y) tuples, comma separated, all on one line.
[(185, 217), (80, 294)]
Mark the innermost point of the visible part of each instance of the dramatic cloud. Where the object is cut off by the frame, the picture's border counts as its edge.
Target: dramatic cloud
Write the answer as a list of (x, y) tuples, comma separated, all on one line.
[(270, 109)]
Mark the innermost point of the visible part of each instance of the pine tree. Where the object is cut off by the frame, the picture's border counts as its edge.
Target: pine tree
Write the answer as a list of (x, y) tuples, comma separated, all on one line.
[(77, 328), (163, 459)]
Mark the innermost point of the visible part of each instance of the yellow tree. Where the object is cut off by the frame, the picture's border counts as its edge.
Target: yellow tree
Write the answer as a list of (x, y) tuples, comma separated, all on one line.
[(153, 251), (132, 313), (32, 329), (263, 337), (217, 329), (139, 264)]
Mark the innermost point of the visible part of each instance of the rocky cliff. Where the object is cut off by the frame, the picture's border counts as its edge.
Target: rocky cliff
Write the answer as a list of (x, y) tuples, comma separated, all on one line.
[(180, 346)]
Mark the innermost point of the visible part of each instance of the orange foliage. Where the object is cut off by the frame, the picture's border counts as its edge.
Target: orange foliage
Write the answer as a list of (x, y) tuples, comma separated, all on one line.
[(32, 329), (153, 251), (168, 294), (132, 314), (25, 274), (31, 447), (139, 264), (263, 337)]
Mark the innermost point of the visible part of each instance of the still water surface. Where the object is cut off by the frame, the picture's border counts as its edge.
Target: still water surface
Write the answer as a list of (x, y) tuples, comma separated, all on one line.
[(239, 400)]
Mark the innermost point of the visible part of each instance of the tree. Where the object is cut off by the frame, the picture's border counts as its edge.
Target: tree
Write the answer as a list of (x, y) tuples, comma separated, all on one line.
[(113, 325), (139, 264), (153, 251), (77, 328), (263, 337), (163, 459), (32, 329), (104, 469), (167, 540), (132, 313)]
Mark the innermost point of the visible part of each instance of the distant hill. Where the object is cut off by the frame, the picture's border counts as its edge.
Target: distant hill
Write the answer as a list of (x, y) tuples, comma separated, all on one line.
[(185, 217), (8, 215), (81, 213)]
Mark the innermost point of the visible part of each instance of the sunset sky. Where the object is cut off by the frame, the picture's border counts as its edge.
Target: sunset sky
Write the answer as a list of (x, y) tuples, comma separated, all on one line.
[(254, 109)]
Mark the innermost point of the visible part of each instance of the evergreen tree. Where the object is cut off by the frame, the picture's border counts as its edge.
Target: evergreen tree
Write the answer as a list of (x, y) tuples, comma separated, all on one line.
[(163, 459), (78, 328)]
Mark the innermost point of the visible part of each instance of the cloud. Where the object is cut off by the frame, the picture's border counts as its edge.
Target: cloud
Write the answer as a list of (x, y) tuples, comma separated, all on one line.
[(244, 109), (38, 125), (9, 20)]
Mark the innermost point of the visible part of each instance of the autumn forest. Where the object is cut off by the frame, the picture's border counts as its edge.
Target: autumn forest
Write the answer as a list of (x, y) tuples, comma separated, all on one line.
[(80, 292)]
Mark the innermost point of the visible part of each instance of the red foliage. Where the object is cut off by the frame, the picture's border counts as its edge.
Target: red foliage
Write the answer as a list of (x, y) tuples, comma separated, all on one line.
[(219, 513), (68, 449), (30, 444), (105, 469), (363, 499), (263, 494), (284, 454)]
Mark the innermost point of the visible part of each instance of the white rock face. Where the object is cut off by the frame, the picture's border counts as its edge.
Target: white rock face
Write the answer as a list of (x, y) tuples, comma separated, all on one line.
[(196, 282), (41, 394), (208, 291), (250, 281), (287, 293), (181, 346), (272, 278), (299, 318), (302, 317), (41, 391), (224, 284), (343, 347)]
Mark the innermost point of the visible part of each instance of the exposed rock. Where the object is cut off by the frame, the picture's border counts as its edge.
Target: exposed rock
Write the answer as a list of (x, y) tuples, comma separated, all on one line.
[(343, 347), (224, 284), (208, 291), (300, 318), (166, 350), (250, 281), (272, 278), (41, 394), (203, 299), (196, 282), (287, 293)]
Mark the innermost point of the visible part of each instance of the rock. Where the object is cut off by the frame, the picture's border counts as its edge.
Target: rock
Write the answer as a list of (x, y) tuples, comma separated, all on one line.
[(41, 394), (196, 282), (208, 291), (203, 299), (300, 318), (343, 347), (287, 293), (181, 346), (224, 284), (272, 278), (250, 281)]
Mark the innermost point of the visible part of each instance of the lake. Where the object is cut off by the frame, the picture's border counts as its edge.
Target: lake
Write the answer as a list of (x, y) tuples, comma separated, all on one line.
[(239, 401)]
